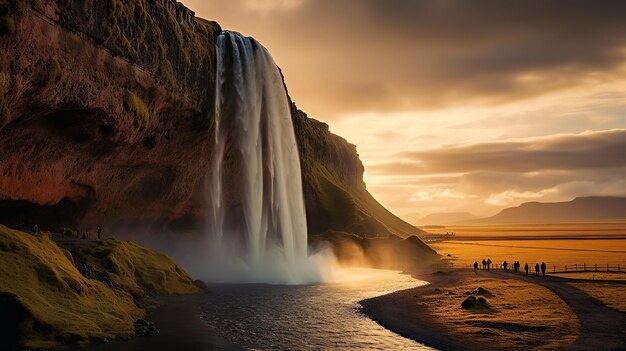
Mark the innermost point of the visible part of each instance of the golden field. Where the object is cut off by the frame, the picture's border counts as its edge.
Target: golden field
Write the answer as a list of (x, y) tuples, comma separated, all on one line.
[(602, 229), (521, 315), (553, 252), (555, 244)]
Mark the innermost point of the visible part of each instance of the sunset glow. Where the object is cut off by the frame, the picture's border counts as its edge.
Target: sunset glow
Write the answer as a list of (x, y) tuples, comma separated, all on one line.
[(455, 83)]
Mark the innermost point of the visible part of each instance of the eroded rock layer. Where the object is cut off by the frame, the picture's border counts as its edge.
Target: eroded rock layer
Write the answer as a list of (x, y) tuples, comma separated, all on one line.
[(106, 113)]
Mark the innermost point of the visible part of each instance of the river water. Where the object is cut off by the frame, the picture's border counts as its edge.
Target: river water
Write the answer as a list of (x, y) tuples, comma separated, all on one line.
[(307, 317)]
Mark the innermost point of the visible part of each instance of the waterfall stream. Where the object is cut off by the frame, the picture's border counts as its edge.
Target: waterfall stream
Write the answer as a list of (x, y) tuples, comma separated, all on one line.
[(258, 221)]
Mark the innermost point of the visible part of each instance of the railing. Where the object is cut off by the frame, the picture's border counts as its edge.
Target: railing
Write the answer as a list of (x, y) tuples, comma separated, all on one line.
[(429, 238), (551, 267), (577, 267)]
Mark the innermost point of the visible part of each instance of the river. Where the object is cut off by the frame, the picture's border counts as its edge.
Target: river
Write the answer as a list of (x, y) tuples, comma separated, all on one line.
[(306, 317)]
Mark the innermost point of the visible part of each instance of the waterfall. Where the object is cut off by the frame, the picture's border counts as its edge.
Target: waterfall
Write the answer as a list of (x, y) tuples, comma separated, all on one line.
[(258, 230)]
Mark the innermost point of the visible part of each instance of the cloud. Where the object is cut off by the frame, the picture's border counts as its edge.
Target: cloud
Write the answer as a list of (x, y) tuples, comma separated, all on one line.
[(344, 56), (437, 194), (395, 77), (510, 197), (588, 150), (266, 6), (484, 177)]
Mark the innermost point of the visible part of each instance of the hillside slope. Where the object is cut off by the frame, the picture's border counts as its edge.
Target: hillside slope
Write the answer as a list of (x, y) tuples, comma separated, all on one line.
[(51, 300), (45, 300), (580, 209)]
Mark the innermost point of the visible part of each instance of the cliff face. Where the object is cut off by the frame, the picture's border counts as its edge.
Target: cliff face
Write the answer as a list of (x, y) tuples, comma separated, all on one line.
[(106, 111), (335, 194)]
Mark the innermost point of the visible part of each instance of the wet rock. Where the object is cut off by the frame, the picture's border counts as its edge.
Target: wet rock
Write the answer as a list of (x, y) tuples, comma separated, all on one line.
[(145, 328), (482, 292), (202, 285), (473, 302)]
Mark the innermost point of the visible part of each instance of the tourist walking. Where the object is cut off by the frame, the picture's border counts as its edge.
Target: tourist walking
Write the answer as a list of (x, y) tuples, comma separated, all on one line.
[(505, 265), (536, 268), (526, 268), (488, 263), (484, 264), (543, 268), (475, 267)]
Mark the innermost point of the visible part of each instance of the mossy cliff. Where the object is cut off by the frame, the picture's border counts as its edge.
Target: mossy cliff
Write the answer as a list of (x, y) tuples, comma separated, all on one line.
[(45, 299), (107, 115)]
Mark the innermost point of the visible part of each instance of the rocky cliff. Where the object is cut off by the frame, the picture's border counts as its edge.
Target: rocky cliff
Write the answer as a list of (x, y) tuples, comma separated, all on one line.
[(106, 112)]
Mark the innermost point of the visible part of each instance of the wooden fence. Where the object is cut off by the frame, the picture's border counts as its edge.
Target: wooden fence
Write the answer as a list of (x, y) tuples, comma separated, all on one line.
[(552, 268)]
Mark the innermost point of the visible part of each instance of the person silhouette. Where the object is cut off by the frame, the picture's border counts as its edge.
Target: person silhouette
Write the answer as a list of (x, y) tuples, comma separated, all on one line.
[(488, 263), (526, 268), (484, 264), (543, 268), (505, 265), (475, 267), (537, 268)]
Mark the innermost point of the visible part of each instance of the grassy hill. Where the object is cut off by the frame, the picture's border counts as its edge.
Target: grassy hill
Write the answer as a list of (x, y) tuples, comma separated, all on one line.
[(48, 301)]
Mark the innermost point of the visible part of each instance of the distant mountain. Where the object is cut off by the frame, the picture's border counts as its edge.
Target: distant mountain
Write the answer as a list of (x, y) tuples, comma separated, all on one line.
[(593, 208), (445, 218)]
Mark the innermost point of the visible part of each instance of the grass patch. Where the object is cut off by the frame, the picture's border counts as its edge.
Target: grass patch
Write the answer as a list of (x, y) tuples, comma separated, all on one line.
[(53, 70), (62, 305), (134, 104), (136, 269)]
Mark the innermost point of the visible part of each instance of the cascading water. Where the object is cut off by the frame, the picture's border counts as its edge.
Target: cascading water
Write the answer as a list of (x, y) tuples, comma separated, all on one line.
[(258, 222)]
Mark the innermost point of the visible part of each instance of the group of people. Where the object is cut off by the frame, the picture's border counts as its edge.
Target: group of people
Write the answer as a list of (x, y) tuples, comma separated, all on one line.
[(85, 235), (486, 265)]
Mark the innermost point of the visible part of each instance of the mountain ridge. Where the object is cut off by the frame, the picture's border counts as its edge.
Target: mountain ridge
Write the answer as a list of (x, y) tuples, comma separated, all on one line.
[(589, 208)]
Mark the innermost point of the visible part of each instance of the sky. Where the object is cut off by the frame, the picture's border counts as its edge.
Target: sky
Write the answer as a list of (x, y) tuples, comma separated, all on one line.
[(457, 106)]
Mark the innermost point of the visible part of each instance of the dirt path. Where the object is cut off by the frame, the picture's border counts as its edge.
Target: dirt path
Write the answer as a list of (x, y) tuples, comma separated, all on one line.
[(601, 327)]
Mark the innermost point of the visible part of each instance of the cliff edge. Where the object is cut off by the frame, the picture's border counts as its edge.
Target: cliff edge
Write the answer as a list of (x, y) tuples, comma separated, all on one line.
[(106, 112)]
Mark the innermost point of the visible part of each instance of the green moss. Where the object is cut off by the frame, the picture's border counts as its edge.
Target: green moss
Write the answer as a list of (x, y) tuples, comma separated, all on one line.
[(115, 7), (53, 70), (349, 206), (136, 269), (7, 25), (61, 304), (145, 33), (134, 104), (333, 197)]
